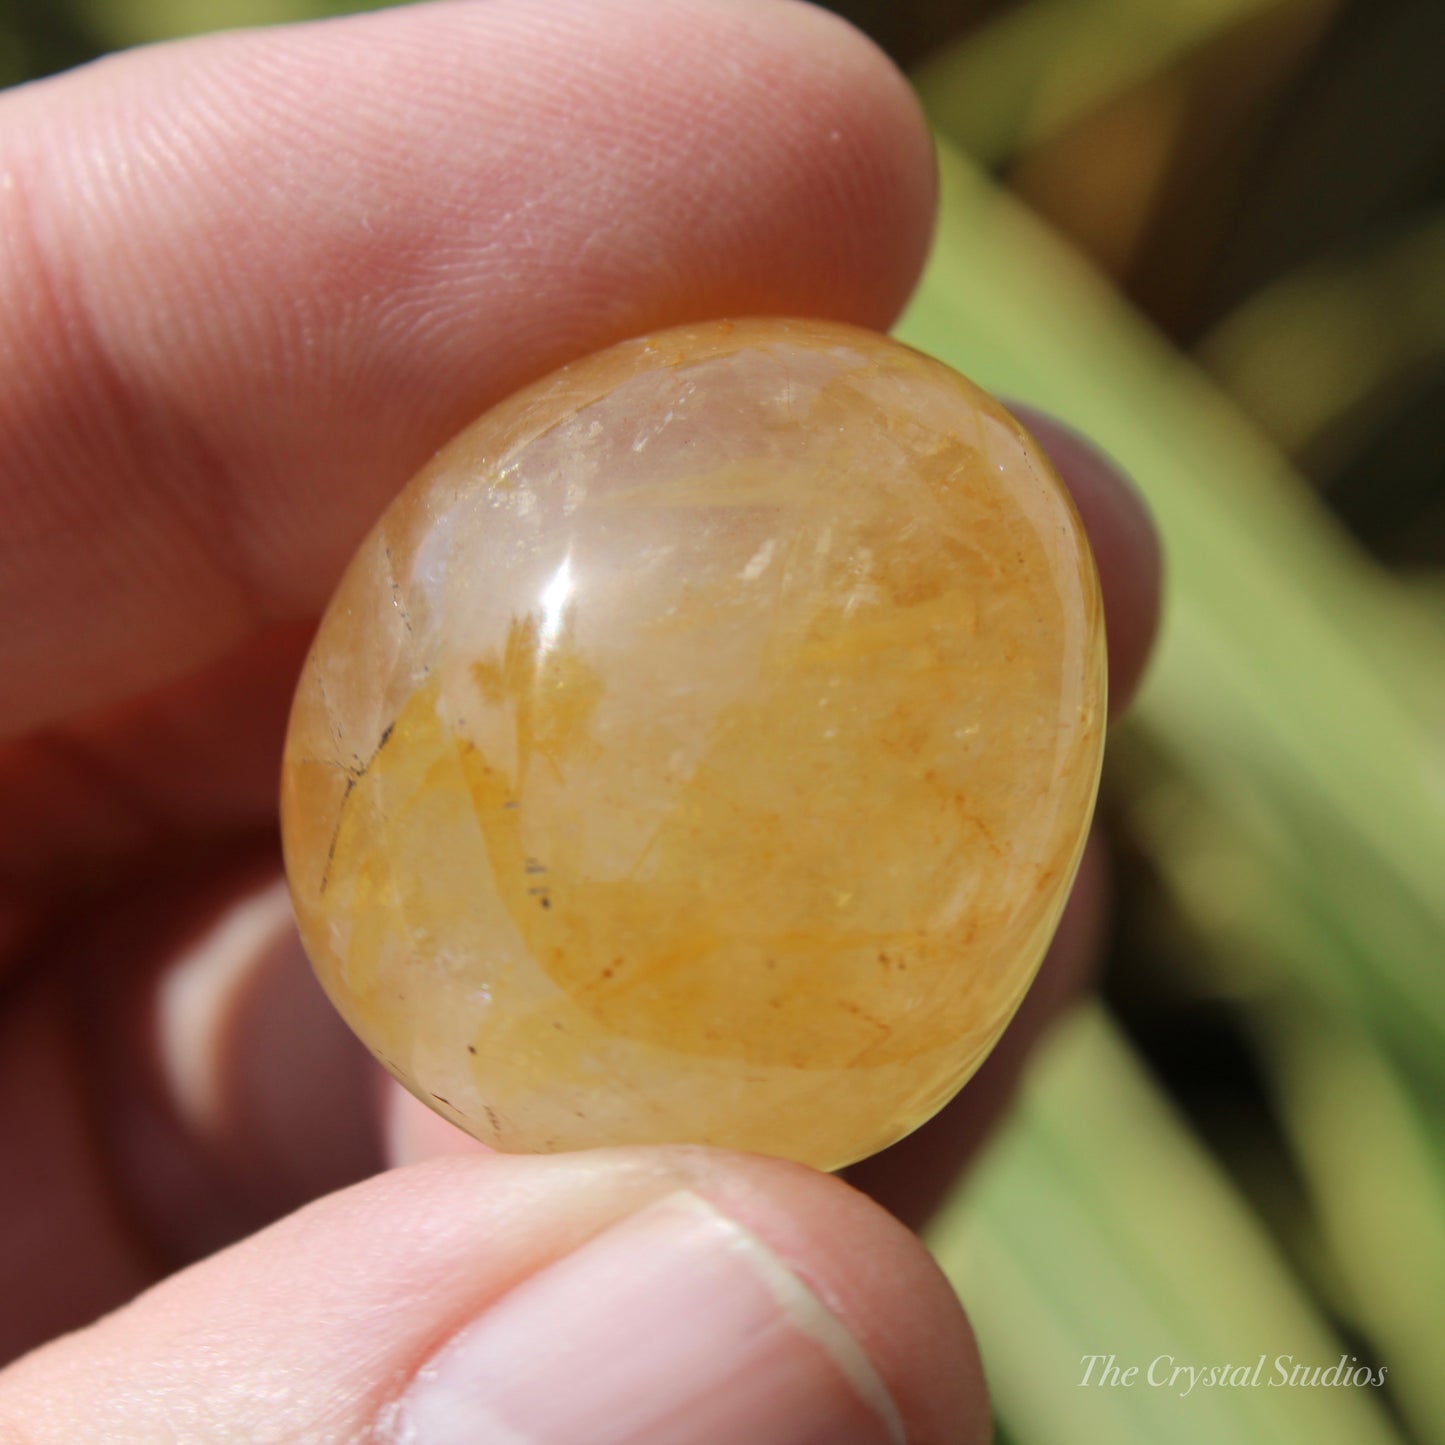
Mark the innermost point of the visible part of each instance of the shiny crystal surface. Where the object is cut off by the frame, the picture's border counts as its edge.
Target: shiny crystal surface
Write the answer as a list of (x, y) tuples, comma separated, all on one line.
[(701, 748)]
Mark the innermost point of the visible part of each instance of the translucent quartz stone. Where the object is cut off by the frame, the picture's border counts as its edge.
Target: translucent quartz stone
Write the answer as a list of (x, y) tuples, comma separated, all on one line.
[(701, 748)]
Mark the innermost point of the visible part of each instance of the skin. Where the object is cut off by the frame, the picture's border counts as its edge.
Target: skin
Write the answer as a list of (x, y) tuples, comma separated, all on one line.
[(248, 284)]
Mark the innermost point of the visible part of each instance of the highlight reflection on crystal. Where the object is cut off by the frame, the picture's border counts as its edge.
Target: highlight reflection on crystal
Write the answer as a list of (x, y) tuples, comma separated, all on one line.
[(701, 748)]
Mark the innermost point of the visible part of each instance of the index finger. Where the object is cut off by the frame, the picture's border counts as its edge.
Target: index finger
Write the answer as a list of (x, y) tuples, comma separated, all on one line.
[(249, 283)]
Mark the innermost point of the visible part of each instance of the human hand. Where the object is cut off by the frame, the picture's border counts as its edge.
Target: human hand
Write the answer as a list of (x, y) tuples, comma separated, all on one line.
[(249, 283)]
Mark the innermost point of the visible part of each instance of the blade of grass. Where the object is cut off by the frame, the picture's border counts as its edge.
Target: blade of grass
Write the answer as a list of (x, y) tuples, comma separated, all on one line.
[(1371, 1157), (120, 23), (1096, 1225), (1321, 343), (1376, 1172), (1038, 67)]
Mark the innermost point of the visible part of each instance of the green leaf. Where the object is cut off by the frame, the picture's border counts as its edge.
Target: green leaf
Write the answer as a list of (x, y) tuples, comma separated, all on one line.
[(121, 23), (1035, 68), (1096, 1225)]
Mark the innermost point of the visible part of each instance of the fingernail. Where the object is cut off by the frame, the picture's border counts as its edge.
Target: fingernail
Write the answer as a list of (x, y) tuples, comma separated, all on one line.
[(675, 1327)]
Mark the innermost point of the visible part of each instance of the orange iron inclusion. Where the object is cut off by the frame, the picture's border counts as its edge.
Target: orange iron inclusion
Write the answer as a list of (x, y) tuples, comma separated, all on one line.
[(701, 748)]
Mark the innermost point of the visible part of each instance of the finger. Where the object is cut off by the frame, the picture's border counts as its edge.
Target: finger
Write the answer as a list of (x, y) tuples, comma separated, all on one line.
[(668, 1297), (1125, 545), (251, 282), (84, 800), (66, 1251), (174, 1081)]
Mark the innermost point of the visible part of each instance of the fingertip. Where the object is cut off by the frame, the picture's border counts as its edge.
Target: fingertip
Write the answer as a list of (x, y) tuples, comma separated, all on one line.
[(876, 1276), (677, 1294), (285, 265), (850, 1251), (884, 162), (1125, 544)]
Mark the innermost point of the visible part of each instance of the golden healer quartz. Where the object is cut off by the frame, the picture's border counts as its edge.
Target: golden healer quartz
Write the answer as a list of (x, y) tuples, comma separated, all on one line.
[(701, 748)]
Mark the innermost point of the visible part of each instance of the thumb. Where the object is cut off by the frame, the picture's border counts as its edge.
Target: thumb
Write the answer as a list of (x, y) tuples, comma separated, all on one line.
[(654, 1297)]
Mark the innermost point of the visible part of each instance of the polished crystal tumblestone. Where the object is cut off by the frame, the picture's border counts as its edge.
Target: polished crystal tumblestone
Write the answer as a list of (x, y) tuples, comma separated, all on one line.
[(701, 747)]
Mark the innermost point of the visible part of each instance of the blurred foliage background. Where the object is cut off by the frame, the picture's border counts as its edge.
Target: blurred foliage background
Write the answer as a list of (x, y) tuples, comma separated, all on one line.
[(1211, 233)]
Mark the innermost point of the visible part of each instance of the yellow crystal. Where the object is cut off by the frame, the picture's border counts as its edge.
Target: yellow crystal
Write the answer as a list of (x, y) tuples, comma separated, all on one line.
[(701, 748)]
